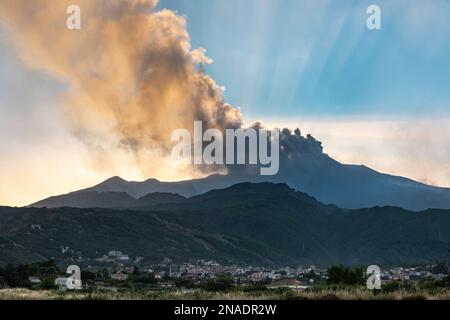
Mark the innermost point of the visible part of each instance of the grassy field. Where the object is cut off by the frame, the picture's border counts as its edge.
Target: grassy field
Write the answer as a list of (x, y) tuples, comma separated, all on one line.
[(326, 294)]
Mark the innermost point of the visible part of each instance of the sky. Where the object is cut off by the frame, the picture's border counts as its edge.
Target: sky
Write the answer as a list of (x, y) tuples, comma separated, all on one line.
[(374, 97), (316, 58)]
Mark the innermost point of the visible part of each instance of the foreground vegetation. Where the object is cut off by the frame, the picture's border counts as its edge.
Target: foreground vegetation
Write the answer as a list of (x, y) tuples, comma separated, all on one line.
[(285, 294)]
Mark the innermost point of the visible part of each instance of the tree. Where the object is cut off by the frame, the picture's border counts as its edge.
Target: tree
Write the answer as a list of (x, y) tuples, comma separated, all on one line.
[(222, 283), (16, 276), (142, 278), (343, 275), (184, 283), (47, 284)]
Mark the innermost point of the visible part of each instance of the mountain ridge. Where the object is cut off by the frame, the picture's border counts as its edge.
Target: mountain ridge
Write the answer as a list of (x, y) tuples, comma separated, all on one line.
[(111, 199), (246, 224), (189, 188)]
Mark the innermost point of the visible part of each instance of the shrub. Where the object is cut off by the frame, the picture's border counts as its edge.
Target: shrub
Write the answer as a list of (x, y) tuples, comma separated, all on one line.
[(219, 284), (391, 286), (343, 275)]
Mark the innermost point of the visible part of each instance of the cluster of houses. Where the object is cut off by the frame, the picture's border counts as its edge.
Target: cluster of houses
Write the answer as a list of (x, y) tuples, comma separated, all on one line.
[(122, 265), (296, 279), (245, 275), (413, 274)]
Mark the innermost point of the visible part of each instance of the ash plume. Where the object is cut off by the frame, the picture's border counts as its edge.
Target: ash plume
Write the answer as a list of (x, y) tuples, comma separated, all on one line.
[(132, 78), (131, 73)]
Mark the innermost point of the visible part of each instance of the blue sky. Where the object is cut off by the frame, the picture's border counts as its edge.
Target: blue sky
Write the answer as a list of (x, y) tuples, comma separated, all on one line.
[(317, 58)]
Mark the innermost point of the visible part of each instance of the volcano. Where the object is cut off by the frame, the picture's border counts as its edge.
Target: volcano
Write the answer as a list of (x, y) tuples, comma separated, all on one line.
[(303, 166)]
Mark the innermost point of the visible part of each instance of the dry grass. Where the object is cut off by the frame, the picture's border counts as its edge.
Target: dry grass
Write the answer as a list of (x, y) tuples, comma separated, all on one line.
[(345, 294), (24, 294)]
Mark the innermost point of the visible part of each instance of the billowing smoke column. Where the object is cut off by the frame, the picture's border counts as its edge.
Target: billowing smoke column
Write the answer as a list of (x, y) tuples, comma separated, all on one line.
[(294, 144), (131, 74)]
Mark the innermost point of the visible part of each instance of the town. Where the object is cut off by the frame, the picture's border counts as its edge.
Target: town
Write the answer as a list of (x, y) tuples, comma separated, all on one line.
[(118, 275), (115, 269)]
